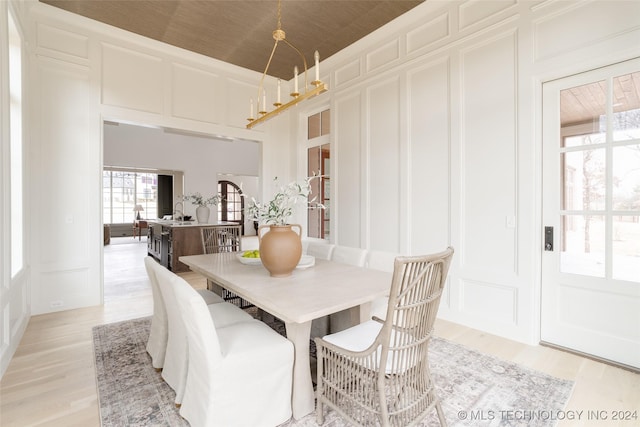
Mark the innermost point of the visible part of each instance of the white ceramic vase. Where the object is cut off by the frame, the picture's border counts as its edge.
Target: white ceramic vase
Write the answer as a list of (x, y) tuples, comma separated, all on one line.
[(202, 214)]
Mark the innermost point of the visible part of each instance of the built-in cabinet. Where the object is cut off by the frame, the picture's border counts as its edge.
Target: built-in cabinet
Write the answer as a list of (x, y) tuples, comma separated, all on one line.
[(157, 240), (168, 241)]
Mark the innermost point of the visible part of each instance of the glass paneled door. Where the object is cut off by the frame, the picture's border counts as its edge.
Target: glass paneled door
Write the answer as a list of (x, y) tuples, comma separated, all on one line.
[(591, 213)]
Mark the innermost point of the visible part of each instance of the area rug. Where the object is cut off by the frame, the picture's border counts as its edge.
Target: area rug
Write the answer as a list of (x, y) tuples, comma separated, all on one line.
[(476, 389)]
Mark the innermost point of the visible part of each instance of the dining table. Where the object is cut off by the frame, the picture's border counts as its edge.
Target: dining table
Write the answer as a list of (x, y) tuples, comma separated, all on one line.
[(315, 289)]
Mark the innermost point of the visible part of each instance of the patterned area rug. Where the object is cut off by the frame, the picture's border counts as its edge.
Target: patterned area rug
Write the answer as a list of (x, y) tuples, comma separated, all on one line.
[(475, 389)]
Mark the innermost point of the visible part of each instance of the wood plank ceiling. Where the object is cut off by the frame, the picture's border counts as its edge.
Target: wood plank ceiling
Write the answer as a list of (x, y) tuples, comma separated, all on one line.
[(240, 31), (586, 103)]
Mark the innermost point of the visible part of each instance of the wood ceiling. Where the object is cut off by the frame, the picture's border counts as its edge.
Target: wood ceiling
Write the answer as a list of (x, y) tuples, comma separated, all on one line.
[(585, 104), (240, 31)]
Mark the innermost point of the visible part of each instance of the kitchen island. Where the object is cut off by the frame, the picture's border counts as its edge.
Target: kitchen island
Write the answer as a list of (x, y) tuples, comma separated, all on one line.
[(168, 240)]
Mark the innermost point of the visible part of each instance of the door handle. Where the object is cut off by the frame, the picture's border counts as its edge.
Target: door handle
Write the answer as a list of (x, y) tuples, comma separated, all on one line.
[(548, 239)]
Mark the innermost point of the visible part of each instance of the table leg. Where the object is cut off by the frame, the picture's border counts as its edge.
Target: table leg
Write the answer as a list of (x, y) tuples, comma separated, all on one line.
[(302, 399), (364, 312)]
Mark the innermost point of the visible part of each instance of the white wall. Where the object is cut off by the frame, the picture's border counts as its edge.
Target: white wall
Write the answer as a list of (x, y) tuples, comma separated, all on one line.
[(201, 159), (15, 303), (436, 135)]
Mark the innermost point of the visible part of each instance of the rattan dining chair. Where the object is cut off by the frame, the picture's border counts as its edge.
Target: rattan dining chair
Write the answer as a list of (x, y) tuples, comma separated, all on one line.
[(223, 238), (377, 373)]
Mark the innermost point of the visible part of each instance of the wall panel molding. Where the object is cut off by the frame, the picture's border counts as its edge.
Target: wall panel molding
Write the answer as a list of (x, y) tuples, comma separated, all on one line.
[(474, 12), (579, 25), (55, 41), (429, 159), (132, 79), (195, 94), (489, 301), (383, 56), (489, 136), (430, 33), (347, 73), (383, 142), (350, 196), (64, 257)]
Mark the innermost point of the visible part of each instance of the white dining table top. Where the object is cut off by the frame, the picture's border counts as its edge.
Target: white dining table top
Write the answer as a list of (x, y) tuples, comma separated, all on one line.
[(309, 293)]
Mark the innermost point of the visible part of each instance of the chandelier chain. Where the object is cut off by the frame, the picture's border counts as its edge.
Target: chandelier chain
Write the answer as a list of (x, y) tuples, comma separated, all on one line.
[(279, 14)]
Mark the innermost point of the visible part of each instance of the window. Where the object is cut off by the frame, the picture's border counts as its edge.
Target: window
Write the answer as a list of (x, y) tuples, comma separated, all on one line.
[(16, 148), (122, 190), (232, 206), (600, 158), (318, 163)]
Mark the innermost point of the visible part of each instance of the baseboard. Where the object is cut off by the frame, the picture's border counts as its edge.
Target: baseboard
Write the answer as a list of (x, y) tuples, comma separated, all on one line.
[(591, 357)]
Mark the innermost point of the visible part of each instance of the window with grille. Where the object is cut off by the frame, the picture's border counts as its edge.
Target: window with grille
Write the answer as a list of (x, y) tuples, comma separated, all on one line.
[(318, 163), (231, 209)]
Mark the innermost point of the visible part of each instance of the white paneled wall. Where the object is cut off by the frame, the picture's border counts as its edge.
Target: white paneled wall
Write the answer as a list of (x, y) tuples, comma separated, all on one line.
[(348, 157), (384, 144), (132, 79), (439, 111), (65, 253), (429, 146), (195, 93)]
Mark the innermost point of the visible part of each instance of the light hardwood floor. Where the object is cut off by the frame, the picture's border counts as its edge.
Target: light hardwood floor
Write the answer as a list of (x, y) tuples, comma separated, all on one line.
[(51, 379)]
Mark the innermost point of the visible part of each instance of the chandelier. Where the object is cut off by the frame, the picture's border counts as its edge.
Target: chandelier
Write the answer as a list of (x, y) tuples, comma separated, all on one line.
[(297, 97)]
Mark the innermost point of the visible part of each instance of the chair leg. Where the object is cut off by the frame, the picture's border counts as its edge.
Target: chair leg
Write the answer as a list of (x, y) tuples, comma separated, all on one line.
[(319, 387), (443, 420), (319, 413)]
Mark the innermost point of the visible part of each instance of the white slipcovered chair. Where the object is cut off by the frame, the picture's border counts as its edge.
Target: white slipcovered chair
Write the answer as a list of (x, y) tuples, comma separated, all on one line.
[(157, 342), (239, 375), (353, 256), (381, 260), (176, 361), (318, 249), (377, 373), (348, 255)]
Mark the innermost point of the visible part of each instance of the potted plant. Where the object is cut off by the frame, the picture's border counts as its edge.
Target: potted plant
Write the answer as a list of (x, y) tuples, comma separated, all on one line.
[(202, 205), (280, 245)]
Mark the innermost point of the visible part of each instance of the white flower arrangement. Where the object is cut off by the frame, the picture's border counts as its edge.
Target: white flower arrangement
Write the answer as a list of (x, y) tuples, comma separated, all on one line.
[(199, 200), (278, 210)]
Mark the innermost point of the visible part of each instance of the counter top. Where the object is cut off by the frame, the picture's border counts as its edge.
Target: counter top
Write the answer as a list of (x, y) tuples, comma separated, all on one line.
[(172, 223)]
